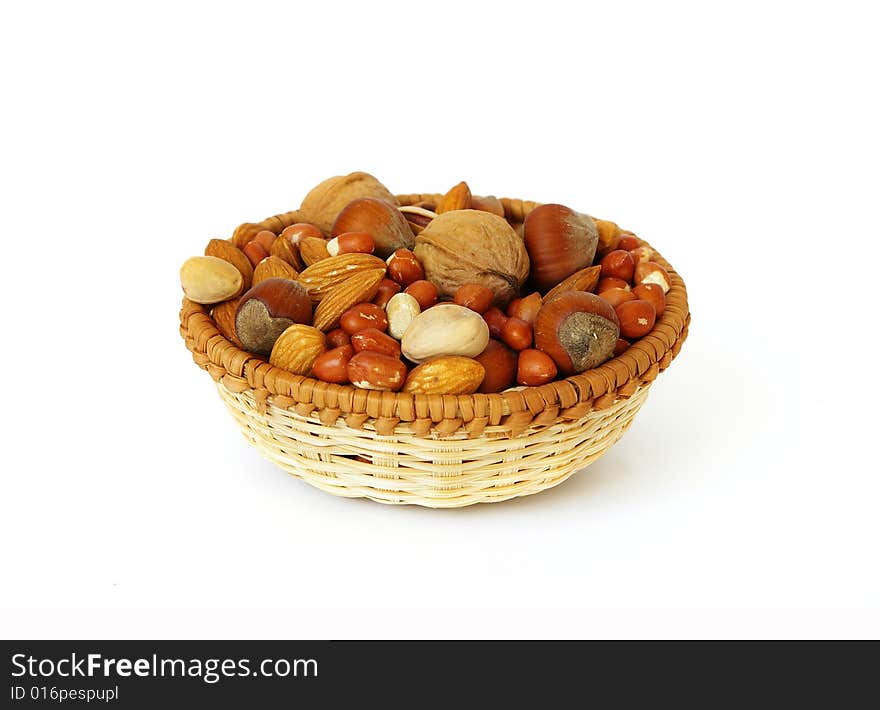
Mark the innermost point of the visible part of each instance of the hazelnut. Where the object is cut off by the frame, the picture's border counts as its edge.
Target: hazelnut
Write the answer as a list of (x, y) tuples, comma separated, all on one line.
[(559, 241), (535, 368), (517, 334), (578, 330), (525, 308), (424, 292), (326, 200), (387, 288), (332, 366), (618, 264), (363, 315), (636, 318), (404, 268), (495, 319), (608, 282), (477, 298), (381, 220), (653, 294), (616, 296), (267, 310), (499, 362), (295, 233), (647, 272)]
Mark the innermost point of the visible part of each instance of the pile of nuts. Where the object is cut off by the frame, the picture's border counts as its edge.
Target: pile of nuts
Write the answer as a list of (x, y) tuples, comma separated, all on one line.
[(446, 298)]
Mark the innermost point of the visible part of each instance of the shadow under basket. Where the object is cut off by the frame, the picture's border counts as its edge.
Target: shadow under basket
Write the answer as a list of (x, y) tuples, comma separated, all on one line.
[(437, 451)]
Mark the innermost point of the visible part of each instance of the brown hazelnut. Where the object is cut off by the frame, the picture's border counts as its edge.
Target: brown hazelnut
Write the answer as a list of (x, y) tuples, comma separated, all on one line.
[(424, 292), (535, 368), (384, 222), (499, 362), (647, 272), (653, 294), (326, 200), (578, 330), (267, 310), (636, 318), (618, 264), (477, 298), (517, 334), (560, 241)]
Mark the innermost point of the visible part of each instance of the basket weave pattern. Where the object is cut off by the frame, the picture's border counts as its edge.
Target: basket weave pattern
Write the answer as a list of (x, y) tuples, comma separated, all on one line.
[(434, 450)]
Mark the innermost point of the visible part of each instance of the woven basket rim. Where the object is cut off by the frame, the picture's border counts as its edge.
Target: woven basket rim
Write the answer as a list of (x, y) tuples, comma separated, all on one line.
[(572, 397)]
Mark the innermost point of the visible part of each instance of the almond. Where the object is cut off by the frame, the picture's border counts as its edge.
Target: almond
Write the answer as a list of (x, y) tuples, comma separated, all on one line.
[(328, 273), (446, 375), (224, 318), (359, 288), (226, 250), (312, 250), (583, 280), (297, 348), (273, 267), (458, 198), (284, 249)]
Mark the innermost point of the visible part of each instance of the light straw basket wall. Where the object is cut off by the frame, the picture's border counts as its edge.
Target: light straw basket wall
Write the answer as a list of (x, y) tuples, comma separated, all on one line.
[(431, 450)]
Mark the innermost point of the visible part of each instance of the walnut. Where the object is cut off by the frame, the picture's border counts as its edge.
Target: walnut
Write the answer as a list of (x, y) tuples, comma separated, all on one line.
[(326, 200), (473, 247)]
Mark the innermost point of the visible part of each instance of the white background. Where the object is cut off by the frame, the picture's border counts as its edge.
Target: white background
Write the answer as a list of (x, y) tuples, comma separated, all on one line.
[(741, 140)]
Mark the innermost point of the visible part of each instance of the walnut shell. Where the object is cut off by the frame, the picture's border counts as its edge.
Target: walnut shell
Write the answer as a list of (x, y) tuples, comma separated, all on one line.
[(473, 247), (326, 200)]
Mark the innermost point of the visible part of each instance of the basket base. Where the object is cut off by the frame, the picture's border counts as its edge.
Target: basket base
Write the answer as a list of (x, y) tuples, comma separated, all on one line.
[(447, 472)]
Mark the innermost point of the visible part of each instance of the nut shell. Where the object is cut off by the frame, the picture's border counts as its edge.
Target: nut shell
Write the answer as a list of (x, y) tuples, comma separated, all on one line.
[(226, 250), (560, 242), (578, 330), (267, 310), (473, 247), (445, 329), (208, 279), (327, 199), (382, 221)]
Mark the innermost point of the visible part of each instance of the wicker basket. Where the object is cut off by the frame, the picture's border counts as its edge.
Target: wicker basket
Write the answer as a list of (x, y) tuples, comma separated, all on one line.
[(432, 450)]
